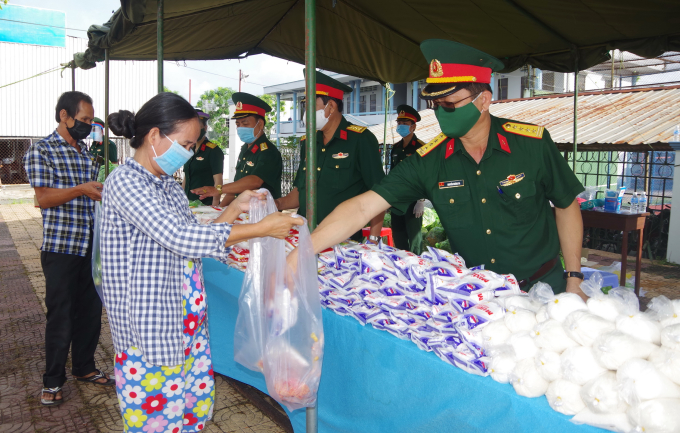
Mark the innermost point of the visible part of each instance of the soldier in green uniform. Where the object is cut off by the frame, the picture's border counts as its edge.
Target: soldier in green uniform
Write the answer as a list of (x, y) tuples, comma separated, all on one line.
[(205, 167), (491, 181), (97, 148), (348, 159), (406, 227), (259, 163)]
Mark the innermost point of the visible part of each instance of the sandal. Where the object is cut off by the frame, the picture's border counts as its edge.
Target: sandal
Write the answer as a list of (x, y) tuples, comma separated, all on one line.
[(95, 377), (54, 392)]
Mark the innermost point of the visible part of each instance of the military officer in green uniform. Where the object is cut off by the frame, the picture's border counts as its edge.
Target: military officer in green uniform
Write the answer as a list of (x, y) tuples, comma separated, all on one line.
[(348, 159), (205, 167), (97, 148), (406, 227), (259, 163), (491, 180)]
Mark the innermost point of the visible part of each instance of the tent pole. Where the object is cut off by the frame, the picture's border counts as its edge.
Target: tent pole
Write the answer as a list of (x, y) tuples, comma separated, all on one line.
[(159, 41), (385, 129), (575, 110), (312, 423), (106, 113)]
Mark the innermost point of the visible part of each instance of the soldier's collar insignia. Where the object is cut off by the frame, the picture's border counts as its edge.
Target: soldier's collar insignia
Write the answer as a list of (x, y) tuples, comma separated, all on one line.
[(451, 184), (255, 148), (199, 158), (512, 179), (436, 69), (503, 142), (250, 163), (203, 148), (340, 155), (449, 148), (343, 134)]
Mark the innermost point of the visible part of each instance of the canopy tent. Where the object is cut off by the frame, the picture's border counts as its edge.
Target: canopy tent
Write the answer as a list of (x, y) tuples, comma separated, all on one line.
[(379, 39)]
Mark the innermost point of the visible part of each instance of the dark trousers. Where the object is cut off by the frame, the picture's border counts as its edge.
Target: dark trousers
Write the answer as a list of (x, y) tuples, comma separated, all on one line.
[(406, 231), (74, 316)]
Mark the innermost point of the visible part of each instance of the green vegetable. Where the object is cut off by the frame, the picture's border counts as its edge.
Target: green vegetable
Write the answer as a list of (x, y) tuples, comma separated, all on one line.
[(437, 234), (430, 218), (102, 175), (387, 222), (606, 289), (196, 203), (444, 245)]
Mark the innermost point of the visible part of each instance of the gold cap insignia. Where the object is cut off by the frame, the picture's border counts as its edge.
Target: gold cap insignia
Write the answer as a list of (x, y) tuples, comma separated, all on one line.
[(401, 113), (436, 69), (239, 105)]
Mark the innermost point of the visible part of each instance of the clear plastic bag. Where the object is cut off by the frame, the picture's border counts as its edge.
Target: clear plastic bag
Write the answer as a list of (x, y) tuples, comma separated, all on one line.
[(605, 306), (96, 253), (279, 329)]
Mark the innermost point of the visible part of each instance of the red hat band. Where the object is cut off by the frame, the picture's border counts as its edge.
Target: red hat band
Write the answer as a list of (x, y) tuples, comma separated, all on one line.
[(323, 89), (242, 108), (457, 73)]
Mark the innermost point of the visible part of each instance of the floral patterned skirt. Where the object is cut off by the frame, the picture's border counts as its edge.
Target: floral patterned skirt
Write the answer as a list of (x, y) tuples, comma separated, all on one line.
[(171, 399)]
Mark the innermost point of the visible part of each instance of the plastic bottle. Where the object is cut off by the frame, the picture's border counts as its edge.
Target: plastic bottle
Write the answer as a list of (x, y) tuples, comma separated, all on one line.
[(634, 200), (642, 202), (676, 134)]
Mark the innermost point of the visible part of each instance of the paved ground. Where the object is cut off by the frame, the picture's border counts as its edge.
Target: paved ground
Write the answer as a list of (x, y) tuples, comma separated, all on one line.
[(88, 408)]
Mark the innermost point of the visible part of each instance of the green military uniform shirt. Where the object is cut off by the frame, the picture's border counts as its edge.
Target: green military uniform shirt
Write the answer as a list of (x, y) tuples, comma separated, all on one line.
[(400, 152), (208, 160), (97, 149), (497, 212), (263, 160), (348, 165)]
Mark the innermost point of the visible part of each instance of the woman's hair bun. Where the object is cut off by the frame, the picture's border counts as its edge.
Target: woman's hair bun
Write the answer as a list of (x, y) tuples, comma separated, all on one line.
[(122, 123)]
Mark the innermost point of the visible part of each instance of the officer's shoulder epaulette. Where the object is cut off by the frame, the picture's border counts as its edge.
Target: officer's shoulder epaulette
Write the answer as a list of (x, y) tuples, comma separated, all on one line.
[(436, 141), (211, 145), (525, 129), (304, 137), (421, 142), (263, 146), (356, 128)]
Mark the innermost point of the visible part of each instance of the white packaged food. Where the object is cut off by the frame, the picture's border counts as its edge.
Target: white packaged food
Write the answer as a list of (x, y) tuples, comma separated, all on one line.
[(667, 361), (579, 365), (640, 326), (523, 345), (519, 301), (549, 365), (501, 365), (526, 380), (542, 314), (607, 307), (670, 337), (656, 416), (612, 349), (495, 333), (584, 327), (565, 304), (550, 335), (601, 395), (564, 397), (638, 380), (617, 422), (520, 319)]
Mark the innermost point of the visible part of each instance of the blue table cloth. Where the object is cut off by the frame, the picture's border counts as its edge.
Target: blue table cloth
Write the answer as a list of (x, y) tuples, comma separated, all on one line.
[(373, 382)]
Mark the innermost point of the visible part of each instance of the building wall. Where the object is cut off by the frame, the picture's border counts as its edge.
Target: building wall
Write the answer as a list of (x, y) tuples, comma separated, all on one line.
[(28, 107)]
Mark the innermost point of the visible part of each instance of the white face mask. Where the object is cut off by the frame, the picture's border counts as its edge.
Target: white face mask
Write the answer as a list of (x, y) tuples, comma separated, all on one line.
[(321, 119)]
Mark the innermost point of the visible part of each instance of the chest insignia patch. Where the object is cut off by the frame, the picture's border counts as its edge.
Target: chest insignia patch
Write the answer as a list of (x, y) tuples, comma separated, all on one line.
[(340, 155), (451, 184), (199, 158), (250, 163), (512, 179)]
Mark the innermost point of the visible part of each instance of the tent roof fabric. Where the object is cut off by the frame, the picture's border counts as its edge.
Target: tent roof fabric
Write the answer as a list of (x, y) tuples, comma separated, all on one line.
[(379, 39), (613, 120)]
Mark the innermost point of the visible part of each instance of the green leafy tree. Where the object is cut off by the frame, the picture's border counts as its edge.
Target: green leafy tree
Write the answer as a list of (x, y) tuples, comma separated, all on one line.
[(271, 116), (165, 89), (218, 101)]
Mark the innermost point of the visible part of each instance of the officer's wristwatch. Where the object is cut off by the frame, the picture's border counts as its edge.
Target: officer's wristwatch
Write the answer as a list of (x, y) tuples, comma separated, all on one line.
[(218, 188), (573, 274), (373, 239)]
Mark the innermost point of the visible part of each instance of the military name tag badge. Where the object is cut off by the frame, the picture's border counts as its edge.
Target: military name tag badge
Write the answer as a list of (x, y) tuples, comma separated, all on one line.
[(340, 155), (250, 163), (512, 179), (199, 158), (451, 184)]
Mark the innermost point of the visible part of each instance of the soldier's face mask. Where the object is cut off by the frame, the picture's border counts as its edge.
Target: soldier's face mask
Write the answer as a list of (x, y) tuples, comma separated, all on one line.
[(403, 130), (321, 119), (456, 122), (97, 134)]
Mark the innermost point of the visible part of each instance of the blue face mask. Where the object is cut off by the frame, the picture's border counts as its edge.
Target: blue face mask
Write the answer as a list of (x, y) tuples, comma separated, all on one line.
[(247, 135), (403, 130), (173, 159)]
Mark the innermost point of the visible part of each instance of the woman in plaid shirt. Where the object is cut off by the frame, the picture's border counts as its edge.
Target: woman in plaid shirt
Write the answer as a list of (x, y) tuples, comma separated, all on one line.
[(151, 249)]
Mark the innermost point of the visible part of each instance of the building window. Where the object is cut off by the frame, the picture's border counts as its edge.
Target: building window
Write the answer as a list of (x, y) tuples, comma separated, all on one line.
[(373, 103), (502, 91), (362, 104)]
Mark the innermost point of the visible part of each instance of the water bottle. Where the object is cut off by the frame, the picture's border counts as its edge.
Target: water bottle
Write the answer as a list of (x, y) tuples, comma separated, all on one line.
[(634, 200), (642, 202), (676, 134)]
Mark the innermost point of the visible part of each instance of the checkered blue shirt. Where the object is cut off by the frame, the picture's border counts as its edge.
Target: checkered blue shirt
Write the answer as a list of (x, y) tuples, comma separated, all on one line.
[(147, 232), (54, 163)]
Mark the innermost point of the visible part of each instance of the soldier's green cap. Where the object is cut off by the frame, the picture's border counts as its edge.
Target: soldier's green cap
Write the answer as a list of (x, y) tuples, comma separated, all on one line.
[(453, 64), (327, 86), (408, 113), (248, 105)]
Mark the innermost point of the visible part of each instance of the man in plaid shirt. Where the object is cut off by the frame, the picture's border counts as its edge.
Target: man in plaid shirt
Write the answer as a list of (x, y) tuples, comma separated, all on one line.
[(63, 172)]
